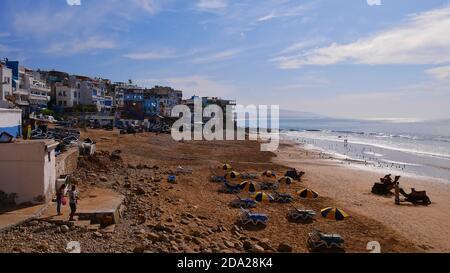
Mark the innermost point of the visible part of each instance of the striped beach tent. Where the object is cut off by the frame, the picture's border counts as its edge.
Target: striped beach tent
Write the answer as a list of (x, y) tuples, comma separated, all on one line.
[(286, 179), (248, 186), (308, 193), (263, 197), (334, 214)]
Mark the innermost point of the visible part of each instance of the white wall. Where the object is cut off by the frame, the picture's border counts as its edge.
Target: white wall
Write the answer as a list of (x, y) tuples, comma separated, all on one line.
[(25, 169), (11, 121)]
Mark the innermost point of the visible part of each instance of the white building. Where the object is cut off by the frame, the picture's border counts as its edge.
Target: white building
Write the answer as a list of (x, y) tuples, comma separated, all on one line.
[(37, 183), (39, 92), (31, 90), (94, 93), (5, 82), (67, 96)]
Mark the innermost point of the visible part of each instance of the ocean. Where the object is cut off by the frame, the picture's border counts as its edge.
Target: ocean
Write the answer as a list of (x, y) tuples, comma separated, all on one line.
[(415, 147)]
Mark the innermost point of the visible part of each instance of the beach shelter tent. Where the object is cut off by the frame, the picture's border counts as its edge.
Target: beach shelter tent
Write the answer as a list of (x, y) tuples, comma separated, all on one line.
[(286, 179), (269, 174), (232, 175), (248, 186), (226, 167), (307, 193), (263, 197), (334, 214)]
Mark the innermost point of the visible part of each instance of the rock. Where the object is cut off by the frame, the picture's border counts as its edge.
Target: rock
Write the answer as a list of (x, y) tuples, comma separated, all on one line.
[(153, 237), (184, 221), (188, 215), (98, 234), (140, 249), (43, 246), (65, 229), (131, 166), (141, 231), (104, 179), (248, 245), (197, 241), (257, 249), (285, 248), (33, 223), (109, 229), (229, 244)]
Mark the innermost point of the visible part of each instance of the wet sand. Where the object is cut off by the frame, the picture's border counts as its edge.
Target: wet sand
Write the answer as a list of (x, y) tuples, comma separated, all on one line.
[(349, 186)]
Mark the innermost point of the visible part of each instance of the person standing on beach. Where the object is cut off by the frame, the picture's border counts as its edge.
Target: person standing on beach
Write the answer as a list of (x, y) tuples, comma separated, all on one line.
[(59, 198), (73, 201)]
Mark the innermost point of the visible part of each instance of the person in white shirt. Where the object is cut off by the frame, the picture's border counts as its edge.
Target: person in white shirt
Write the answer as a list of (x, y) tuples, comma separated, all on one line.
[(73, 201)]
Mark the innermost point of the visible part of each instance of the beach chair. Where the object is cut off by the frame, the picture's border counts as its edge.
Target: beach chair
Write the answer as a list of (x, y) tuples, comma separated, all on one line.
[(218, 179), (318, 240), (245, 203), (297, 215), (232, 189), (255, 219), (282, 198), (269, 186)]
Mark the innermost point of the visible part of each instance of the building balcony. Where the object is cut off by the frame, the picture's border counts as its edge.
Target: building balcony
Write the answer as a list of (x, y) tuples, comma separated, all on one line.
[(22, 103), (21, 92), (39, 97), (40, 89)]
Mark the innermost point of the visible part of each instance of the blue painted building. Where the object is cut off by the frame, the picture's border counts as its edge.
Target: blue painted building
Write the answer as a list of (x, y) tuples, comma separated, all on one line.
[(14, 66), (11, 121)]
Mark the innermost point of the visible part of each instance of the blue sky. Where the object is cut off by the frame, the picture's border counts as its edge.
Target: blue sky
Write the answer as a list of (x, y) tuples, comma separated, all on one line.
[(337, 58)]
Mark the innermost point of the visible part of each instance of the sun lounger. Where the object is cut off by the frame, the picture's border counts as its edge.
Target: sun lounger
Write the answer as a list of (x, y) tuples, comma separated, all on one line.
[(318, 240), (253, 218), (301, 215)]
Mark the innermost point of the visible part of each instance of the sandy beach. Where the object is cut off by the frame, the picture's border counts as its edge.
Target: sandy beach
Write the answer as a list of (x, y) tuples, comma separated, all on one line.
[(194, 216), (349, 186)]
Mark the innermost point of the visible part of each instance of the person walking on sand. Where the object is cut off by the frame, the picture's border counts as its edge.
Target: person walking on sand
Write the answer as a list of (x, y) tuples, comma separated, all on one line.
[(59, 198), (73, 201)]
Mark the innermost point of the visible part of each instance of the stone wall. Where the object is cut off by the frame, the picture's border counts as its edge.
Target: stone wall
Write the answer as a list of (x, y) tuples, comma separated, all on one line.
[(67, 162)]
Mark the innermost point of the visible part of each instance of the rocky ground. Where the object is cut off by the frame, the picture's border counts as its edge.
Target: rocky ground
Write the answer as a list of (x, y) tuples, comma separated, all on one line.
[(190, 215)]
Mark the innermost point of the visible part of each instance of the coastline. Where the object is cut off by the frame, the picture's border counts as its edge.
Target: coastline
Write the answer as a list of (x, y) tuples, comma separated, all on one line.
[(428, 227), (196, 209)]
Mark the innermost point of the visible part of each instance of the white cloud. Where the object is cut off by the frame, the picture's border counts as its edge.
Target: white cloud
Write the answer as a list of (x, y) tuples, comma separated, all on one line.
[(217, 57), (212, 4), (440, 73), (150, 6), (422, 39), (151, 55), (81, 45), (285, 11)]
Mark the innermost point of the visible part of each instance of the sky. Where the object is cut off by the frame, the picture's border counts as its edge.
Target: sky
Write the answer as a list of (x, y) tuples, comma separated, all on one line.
[(339, 58)]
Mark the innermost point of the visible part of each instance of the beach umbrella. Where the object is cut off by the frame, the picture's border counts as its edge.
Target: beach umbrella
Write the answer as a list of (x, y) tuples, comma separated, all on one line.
[(232, 175), (226, 167), (269, 174), (286, 179), (307, 193), (248, 186), (334, 214), (263, 197)]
